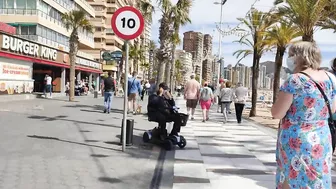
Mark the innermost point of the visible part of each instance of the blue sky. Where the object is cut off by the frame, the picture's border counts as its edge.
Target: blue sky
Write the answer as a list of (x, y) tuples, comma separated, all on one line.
[(205, 14)]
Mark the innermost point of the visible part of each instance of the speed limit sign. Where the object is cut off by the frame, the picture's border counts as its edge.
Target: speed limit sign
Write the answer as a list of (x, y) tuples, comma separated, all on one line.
[(127, 23)]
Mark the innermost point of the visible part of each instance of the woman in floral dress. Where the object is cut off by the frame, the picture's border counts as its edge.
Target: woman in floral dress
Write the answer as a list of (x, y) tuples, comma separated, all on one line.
[(304, 151)]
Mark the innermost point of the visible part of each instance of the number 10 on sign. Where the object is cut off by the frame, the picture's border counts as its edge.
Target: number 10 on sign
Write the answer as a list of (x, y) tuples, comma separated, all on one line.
[(127, 23)]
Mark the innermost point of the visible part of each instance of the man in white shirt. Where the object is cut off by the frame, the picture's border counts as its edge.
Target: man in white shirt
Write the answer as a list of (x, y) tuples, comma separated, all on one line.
[(240, 95), (48, 82)]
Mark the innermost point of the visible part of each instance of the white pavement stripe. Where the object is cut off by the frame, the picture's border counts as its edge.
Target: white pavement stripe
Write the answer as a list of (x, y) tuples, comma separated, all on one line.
[(229, 153)]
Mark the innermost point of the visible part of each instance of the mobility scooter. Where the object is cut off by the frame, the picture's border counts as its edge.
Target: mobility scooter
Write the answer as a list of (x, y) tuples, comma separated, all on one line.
[(159, 135)]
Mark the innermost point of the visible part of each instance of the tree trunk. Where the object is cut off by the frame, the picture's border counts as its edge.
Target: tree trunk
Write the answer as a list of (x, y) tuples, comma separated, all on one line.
[(172, 71), (72, 55), (167, 72), (308, 37), (255, 76), (277, 72), (163, 52)]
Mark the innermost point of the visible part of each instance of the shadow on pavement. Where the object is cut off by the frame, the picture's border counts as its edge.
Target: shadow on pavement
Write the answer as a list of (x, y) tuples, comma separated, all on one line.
[(68, 141), (45, 118)]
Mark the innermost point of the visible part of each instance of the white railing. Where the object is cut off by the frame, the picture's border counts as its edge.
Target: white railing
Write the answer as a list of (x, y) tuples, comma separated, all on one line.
[(88, 5), (83, 35)]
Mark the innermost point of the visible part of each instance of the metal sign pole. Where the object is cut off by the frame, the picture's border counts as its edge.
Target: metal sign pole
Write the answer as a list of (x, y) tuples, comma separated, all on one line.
[(125, 99)]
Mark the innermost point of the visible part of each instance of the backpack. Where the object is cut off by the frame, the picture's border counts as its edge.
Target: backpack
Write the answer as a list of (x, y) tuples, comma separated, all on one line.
[(205, 94)]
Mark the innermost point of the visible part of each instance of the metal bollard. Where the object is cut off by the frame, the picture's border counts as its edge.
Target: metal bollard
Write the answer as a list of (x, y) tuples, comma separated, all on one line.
[(129, 132), (95, 94)]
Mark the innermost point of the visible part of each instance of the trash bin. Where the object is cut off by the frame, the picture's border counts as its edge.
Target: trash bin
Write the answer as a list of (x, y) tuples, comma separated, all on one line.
[(129, 132), (95, 94)]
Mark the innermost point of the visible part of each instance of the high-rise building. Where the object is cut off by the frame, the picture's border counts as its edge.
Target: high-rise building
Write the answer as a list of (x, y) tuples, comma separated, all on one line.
[(185, 59), (193, 43), (235, 77), (247, 77), (38, 23), (268, 82), (263, 68), (104, 37), (215, 67), (207, 63)]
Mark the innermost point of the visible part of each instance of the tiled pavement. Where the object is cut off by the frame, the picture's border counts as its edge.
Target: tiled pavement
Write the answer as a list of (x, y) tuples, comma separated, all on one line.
[(230, 156)]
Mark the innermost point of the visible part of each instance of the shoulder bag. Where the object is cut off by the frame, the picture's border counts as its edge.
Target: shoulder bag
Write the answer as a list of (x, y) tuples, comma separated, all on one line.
[(331, 122)]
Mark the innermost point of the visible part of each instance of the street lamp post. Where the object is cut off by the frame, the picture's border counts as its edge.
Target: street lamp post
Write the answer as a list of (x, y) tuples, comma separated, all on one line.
[(220, 36)]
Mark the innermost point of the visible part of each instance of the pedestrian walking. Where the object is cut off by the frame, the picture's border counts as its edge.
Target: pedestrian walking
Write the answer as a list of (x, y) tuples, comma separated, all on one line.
[(109, 88), (206, 98), (304, 148), (191, 95), (220, 86), (147, 86), (226, 97), (240, 96), (48, 86), (134, 90)]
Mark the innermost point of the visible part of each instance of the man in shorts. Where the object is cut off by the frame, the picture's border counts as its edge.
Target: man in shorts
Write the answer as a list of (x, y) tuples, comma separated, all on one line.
[(191, 94), (134, 89)]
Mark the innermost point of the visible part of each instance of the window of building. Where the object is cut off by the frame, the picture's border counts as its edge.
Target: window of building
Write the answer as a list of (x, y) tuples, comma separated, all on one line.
[(24, 30), (9, 4), (20, 4), (98, 29), (97, 40), (32, 30), (98, 8), (2, 4)]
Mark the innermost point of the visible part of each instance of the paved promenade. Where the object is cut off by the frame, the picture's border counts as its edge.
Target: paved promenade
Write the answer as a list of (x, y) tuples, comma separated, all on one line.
[(55, 144), (230, 156)]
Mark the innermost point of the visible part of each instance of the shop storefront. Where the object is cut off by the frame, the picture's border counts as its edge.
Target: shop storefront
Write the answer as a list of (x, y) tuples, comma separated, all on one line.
[(24, 64)]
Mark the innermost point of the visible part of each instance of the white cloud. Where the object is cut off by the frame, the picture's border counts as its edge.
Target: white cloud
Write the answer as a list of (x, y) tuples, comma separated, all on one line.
[(205, 14)]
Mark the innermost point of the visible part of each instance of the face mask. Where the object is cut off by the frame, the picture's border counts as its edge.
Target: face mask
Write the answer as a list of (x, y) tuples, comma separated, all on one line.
[(291, 63)]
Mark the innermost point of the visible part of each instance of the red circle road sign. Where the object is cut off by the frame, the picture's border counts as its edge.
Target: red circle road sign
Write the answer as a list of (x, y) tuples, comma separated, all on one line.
[(127, 23)]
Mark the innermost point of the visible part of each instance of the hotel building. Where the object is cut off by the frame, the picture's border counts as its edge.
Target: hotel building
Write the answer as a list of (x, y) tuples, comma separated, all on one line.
[(38, 23)]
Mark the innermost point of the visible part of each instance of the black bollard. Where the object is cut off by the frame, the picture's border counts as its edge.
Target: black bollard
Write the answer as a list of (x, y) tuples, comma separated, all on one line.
[(95, 94), (129, 132)]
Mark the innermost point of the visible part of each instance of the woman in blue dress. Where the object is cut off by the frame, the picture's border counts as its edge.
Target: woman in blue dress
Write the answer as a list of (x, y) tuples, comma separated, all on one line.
[(304, 147)]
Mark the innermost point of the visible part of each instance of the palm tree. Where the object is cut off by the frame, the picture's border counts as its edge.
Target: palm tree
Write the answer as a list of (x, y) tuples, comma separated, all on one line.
[(167, 30), (145, 67), (151, 47), (280, 36), (164, 38), (257, 22), (178, 72), (137, 54), (75, 21), (304, 14), (180, 18), (330, 21), (147, 10)]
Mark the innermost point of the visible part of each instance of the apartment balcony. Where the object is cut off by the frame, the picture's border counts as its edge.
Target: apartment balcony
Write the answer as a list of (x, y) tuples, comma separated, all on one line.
[(114, 39), (99, 3), (100, 45), (50, 43), (113, 5), (86, 6), (36, 16), (101, 13), (98, 22), (99, 34)]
